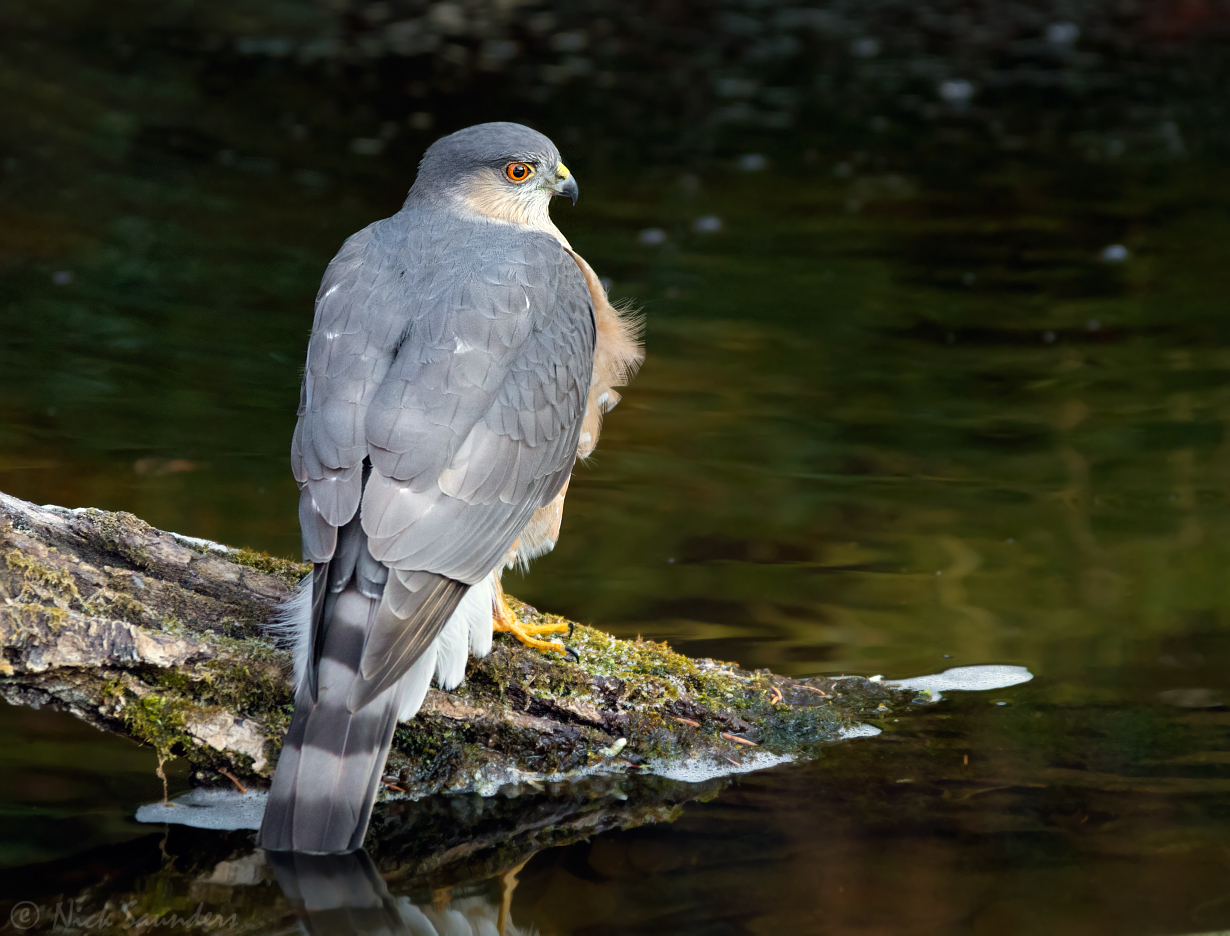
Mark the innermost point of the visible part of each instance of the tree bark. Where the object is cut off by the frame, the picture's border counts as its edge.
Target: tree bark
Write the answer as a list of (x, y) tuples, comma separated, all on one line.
[(160, 638)]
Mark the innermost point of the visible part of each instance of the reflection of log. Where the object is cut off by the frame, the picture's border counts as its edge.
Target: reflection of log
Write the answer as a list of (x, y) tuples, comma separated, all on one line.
[(158, 637), (463, 849), (441, 853)]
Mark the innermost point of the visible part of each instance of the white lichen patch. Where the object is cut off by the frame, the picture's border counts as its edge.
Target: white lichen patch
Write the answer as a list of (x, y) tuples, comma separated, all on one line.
[(701, 769), (858, 731), (223, 810), (224, 732)]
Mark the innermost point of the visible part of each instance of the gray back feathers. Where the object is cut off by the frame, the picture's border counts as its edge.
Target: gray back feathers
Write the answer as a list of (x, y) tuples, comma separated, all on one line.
[(456, 356)]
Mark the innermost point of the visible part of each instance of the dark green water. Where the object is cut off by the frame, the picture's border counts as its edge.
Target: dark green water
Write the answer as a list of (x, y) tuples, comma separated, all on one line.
[(903, 411)]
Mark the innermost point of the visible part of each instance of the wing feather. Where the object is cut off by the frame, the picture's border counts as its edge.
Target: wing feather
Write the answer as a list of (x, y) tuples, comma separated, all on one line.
[(450, 498), (354, 335), (396, 640)]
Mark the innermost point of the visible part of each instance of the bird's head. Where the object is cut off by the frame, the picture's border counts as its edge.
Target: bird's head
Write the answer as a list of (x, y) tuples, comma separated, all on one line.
[(501, 171)]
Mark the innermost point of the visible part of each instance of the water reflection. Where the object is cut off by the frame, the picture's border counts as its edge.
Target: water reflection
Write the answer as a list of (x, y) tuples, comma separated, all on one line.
[(337, 893), (964, 818), (344, 894)]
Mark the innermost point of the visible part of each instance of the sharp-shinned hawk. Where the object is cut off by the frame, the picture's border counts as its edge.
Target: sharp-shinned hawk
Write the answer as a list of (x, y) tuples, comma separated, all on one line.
[(461, 358)]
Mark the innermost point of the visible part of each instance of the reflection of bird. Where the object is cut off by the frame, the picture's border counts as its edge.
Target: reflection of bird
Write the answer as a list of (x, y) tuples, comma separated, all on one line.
[(461, 358), (338, 894), (344, 895)]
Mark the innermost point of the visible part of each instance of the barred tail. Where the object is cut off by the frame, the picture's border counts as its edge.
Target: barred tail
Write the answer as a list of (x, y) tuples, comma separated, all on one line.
[(332, 759), (328, 775)]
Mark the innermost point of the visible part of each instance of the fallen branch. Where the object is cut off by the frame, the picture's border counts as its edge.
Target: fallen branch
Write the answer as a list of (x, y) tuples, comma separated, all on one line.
[(159, 637)]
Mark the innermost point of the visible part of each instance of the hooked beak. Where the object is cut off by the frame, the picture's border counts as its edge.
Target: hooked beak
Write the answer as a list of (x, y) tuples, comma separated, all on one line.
[(565, 184)]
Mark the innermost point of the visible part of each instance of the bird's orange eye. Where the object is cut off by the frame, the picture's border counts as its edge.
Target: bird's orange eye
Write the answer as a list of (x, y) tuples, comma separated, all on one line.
[(518, 172)]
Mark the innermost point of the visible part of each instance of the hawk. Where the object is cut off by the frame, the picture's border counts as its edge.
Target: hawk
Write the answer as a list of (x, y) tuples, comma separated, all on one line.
[(461, 358)]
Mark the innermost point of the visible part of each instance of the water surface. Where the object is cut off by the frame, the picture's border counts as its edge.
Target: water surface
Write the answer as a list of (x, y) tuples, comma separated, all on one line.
[(948, 385)]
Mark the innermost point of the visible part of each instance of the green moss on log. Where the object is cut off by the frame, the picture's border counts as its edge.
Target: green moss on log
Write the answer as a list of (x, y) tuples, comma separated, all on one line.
[(38, 573), (288, 570), (122, 533)]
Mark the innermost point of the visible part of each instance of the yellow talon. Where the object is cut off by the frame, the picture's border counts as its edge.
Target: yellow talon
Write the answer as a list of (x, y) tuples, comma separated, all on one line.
[(507, 622)]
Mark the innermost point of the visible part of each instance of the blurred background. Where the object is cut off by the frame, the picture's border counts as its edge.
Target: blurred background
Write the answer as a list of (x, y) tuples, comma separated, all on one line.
[(935, 302)]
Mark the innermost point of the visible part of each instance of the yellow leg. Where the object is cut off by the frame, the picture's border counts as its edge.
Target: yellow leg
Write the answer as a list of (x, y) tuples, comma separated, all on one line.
[(508, 884), (528, 634), (441, 897)]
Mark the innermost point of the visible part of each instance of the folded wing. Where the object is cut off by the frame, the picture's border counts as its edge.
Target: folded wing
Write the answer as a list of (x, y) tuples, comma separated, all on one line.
[(457, 361)]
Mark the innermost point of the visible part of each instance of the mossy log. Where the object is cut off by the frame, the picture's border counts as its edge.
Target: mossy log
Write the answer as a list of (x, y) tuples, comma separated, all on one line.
[(160, 638)]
